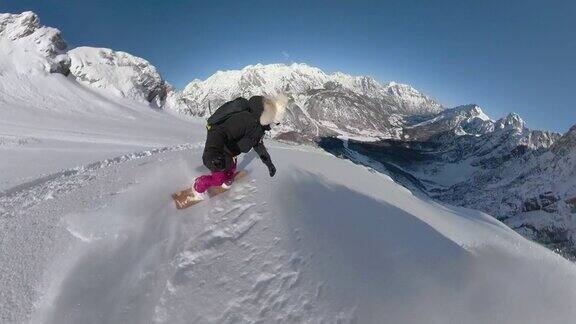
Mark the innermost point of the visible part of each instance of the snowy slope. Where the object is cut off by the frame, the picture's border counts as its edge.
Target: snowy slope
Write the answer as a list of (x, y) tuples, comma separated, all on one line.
[(326, 240)]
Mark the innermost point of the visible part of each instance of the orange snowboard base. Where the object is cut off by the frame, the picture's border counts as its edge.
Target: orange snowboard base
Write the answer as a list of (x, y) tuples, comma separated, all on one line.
[(187, 198)]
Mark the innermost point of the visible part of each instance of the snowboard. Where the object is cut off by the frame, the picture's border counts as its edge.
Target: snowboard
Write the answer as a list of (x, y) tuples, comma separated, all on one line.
[(186, 198)]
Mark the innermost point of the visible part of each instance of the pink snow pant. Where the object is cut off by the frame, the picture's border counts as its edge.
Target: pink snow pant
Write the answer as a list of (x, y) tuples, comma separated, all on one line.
[(217, 178)]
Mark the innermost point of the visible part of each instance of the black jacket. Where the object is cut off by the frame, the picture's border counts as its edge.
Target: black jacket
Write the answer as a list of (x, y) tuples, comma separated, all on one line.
[(240, 133)]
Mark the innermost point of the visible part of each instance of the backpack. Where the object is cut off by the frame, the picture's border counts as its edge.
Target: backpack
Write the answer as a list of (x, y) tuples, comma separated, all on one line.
[(226, 111)]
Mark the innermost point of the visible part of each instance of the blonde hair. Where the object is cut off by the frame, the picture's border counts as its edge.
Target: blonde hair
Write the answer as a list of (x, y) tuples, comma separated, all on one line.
[(274, 109)]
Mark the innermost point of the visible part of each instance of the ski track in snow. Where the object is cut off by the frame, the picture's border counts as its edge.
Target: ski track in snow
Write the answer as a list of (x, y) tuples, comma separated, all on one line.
[(32, 192), (264, 296), (29, 212), (86, 233)]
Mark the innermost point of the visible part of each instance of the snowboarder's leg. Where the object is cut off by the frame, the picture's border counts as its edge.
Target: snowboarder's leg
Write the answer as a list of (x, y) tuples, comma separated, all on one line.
[(202, 183), (230, 173)]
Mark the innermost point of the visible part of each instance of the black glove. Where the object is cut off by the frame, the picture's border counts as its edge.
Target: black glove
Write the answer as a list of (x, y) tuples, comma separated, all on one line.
[(271, 169), (217, 164), (217, 161)]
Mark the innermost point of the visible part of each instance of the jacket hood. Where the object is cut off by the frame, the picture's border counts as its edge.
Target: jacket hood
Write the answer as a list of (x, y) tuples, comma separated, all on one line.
[(256, 106)]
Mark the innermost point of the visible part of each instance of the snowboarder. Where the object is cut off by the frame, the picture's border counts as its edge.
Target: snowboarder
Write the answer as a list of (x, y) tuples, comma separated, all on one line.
[(237, 127)]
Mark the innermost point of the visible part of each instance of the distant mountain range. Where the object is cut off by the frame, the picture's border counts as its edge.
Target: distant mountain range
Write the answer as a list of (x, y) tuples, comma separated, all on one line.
[(321, 104), (525, 178)]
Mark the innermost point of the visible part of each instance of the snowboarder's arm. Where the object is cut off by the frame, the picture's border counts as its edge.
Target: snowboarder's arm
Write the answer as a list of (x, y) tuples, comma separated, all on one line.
[(215, 139), (253, 133), (265, 157), (213, 156)]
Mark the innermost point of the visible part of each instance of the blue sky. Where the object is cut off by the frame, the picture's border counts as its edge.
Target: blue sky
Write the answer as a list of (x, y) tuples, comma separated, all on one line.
[(507, 56)]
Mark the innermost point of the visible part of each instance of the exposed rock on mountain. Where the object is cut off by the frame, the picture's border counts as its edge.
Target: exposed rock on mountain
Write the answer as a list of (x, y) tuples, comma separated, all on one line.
[(462, 120), (321, 104), (23, 33), (524, 177), (410, 101), (118, 73), (566, 144)]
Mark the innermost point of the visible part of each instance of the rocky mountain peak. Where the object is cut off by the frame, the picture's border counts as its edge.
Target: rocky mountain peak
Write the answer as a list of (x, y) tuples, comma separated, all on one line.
[(444, 126), (401, 90), (469, 111), (566, 143), (478, 112), (322, 103), (118, 73), (15, 26), (411, 100), (400, 87), (571, 132), (26, 33), (511, 122)]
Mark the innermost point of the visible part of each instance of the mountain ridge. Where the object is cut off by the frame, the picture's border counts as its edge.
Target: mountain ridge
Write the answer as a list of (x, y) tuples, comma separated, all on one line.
[(312, 93), (526, 178)]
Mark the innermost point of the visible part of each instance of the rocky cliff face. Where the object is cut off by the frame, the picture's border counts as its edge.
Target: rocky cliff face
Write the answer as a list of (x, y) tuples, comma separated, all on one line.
[(566, 144), (410, 101), (534, 192), (31, 48), (462, 120), (119, 74)]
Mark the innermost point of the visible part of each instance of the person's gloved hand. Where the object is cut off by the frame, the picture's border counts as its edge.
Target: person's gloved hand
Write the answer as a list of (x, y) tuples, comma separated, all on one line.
[(271, 169), (217, 163)]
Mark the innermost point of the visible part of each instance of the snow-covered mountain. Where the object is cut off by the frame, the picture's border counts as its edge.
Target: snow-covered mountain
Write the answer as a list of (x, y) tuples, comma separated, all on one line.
[(118, 74), (467, 134), (468, 129), (321, 104), (532, 189), (468, 119), (43, 110), (460, 156), (30, 48), (300, 79), (411, 101), (23, 35), (566, 144)]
